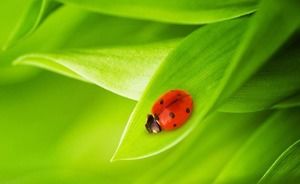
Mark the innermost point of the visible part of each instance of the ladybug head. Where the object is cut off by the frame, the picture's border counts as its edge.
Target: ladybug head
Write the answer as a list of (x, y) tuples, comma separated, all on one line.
[(152, 125)]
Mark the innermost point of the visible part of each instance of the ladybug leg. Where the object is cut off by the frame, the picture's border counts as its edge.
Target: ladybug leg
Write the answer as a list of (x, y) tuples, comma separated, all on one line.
[(151, 125)]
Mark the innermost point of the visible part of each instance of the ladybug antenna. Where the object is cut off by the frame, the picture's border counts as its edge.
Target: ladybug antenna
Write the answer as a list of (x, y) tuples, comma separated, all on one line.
[(152, 125)]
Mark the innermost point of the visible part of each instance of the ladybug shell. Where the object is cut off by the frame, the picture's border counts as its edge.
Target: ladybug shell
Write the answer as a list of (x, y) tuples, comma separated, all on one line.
[(172, 109)]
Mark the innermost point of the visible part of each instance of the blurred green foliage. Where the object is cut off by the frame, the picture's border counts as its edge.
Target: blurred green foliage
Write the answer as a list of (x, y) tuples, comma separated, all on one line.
[(238, 58)]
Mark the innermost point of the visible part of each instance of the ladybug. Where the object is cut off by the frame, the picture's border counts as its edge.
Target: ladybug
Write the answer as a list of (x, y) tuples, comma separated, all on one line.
[(170, 111)]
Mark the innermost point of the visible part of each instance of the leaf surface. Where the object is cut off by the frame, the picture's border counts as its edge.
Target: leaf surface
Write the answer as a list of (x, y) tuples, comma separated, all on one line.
[(200, 80), (195, 68), (123, 70), (135, 65), (184, 12)]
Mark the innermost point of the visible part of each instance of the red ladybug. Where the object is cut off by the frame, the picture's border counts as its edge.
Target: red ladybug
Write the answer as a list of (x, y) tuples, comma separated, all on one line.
[(170, 111)]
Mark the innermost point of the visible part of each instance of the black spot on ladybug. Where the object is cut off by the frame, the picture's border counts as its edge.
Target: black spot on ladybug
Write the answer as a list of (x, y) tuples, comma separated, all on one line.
[(187, 110), (161, 101), (174, 125), (172, 115)]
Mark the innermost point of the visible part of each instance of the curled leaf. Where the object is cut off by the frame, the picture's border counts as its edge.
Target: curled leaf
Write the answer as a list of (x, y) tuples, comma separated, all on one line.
[(123, 70)]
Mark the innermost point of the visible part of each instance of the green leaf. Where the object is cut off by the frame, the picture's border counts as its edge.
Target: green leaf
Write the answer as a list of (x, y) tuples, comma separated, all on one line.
[(81, 29), (286, 168), (35, 14), (136, 65), (198, 75), (10, 13), (265, 145), (9, 9), (123, 70), (277, 80), (62, 139), (260, 43), (292, 101), (185, 12), (205, 152), (196, 67), (57, 130)]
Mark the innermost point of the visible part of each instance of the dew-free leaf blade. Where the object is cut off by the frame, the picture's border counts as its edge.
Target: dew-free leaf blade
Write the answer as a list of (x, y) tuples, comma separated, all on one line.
[(135, 143), (122, 70), (195, 65), (185, 12), (259, 43), (204, 153), (277, 80), (82, 29), (136, 65), (280, 74)]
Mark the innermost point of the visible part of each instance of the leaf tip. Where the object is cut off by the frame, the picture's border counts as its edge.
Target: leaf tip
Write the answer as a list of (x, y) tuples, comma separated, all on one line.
[(113, 158), (116, 157)]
